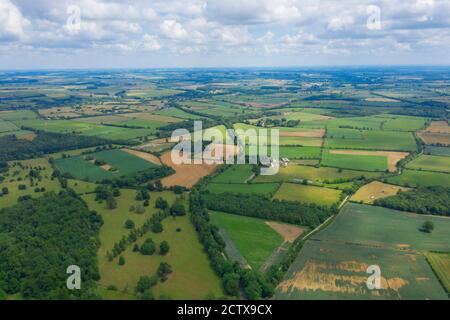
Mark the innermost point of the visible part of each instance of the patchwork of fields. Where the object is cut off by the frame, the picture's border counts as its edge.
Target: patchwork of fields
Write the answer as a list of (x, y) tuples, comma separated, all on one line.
[(344, 142)]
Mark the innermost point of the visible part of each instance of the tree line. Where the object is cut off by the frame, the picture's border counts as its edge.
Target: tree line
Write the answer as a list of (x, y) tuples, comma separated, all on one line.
[(12, 148), (424, 200), (258, 206)]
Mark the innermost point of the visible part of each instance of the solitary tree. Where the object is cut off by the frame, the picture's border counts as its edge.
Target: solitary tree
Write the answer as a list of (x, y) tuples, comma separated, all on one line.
[(164, 248), (129, 224), (428, 226)]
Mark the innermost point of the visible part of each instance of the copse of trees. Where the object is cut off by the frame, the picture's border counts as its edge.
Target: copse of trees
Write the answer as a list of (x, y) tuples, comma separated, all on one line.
[(424, 200), (260, 207), (39, 271)]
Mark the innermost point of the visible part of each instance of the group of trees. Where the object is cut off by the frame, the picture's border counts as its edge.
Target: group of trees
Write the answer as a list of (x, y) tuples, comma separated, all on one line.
[(259, 206), (145, 283), (142, 177), (154, 224), (44, 142), (35, 251), (108, 194), (424, 200)]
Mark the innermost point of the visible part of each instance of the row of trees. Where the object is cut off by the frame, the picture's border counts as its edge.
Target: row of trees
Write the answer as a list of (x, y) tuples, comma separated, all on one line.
[(258, 206)]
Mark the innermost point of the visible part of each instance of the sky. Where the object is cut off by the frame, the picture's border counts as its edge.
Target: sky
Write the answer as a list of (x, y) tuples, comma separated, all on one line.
[(44, 34)]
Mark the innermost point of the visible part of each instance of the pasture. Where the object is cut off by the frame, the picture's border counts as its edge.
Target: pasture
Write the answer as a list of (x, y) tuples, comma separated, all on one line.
[(416, 178), (430, 163), (381, 227), (338, 138), (361, 162), (308, 194), (392, 157), (192, 275), (244, 188), (254, 239), (238, 173), (85, 128), (294, 152), (375, 190), (296, 173)]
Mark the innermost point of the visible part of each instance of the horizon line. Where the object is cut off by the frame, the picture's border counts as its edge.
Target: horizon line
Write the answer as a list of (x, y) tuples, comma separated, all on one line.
[(341, 66)]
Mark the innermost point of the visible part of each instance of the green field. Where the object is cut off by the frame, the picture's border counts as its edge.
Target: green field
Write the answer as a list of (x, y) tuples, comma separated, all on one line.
[(378, 122), (177, 113), (381, 227), (333, 264), (355, 162), (294, 152), (309, 194), (125, 163), (440, 262), (327, 270), (254, 239), (437, 151), (295, 173), (430, 163), (234, 174), (244, 188), (415, 178), (338, 138), (192, 276), (84, 128), (6, 126), (17, 115)]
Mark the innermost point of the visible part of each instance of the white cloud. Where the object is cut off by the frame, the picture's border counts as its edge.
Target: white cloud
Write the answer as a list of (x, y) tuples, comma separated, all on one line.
[(12, 23), (173, 30), (150, 43), (235, 27)]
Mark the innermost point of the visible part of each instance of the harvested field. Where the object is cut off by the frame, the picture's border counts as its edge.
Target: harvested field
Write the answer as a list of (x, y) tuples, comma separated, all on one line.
[(375, 190), (143, 155), (435, 138), (380, 99), (307, 134), (393, 157), (287, 231), (186, 175), (438, 127)]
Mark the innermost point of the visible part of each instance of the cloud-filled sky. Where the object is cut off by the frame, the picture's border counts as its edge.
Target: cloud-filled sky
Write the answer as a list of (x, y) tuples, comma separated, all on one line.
[(36, 34)]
